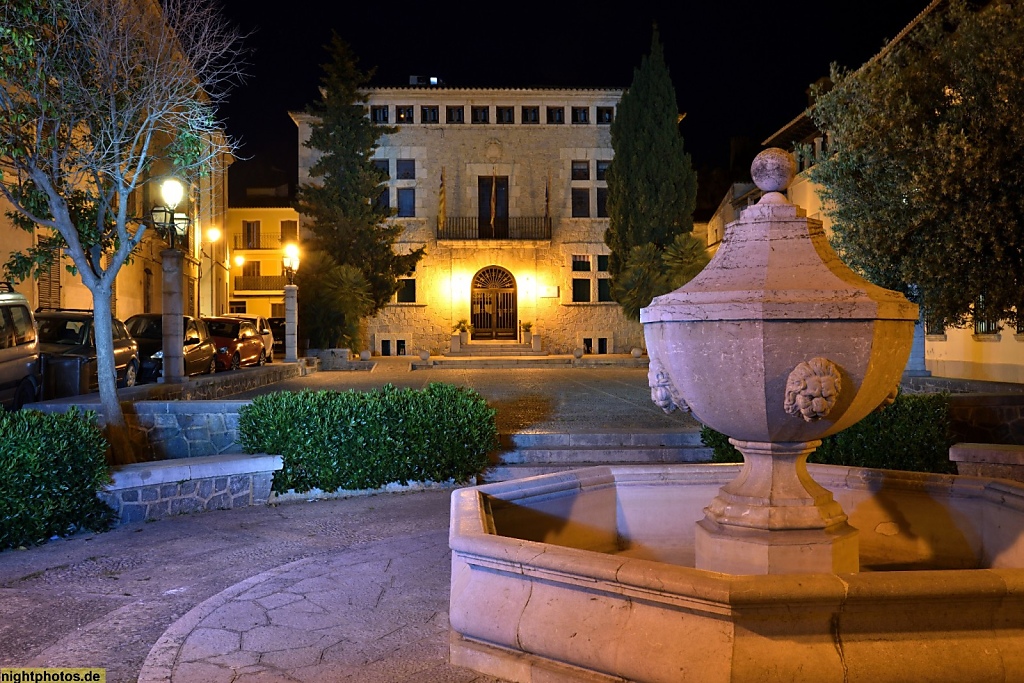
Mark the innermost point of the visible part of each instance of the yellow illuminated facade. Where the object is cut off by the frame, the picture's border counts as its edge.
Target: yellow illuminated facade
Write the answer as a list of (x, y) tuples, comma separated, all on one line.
[(506, 190)]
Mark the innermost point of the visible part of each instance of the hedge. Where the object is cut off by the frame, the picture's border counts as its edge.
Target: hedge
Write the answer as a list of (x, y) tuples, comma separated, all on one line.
[(51, 467), (911, 434), (334, 440)]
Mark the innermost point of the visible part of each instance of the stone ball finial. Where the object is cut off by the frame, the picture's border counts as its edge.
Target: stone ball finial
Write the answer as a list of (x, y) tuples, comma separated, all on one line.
[(773, 169)]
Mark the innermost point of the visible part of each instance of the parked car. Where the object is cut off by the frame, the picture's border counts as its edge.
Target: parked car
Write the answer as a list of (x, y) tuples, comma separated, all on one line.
[(69, 334), (238, 343), (277, 327), (199, 350), (264, 327), (19, 351)]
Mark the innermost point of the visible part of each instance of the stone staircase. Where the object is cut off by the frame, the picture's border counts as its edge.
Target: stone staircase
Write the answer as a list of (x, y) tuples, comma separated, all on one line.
[(527, 455), (495, 348)]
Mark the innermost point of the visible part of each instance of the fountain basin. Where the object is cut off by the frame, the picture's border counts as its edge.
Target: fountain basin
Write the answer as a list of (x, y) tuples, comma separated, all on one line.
[(588, 576)]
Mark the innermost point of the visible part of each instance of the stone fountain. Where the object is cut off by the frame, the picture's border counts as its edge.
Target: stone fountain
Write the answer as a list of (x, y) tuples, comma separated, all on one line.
[(773, 571)]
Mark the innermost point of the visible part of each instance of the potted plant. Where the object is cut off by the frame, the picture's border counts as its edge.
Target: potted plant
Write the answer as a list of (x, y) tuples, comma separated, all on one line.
[(527, 333), (464, 328)]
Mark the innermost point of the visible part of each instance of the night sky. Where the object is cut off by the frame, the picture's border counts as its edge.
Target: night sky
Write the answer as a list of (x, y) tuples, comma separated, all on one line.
[(739, 68)]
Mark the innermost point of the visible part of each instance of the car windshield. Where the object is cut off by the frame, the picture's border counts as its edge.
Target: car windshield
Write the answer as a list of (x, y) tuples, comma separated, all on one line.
[(219, 328), (145, 328), (62, 331)]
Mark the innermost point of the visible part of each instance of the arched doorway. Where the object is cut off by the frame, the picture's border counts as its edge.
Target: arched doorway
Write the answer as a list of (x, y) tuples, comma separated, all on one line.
[(494, 304)]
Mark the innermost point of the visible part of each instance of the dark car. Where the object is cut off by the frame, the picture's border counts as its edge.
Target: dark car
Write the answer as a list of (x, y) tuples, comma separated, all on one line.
[(277, 327), (238, 343), (65, 335), (199, 350)]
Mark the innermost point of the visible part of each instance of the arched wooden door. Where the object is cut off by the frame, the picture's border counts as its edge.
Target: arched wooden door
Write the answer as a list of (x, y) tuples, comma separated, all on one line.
[(494, 304)]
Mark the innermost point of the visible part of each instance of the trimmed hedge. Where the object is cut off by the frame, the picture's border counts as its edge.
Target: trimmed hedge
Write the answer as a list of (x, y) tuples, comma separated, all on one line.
[(334, 440), (912, 434), (51, 467)]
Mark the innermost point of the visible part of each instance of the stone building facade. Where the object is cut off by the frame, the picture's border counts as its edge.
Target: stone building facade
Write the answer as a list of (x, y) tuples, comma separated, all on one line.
[(506, 190)]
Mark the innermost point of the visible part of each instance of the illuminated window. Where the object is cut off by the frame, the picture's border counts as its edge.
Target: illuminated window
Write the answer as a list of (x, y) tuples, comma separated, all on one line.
[(403, 113)]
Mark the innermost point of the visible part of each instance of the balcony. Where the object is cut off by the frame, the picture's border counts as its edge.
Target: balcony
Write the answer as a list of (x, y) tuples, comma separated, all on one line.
[(243, 241), (260, 283), (475, 228)]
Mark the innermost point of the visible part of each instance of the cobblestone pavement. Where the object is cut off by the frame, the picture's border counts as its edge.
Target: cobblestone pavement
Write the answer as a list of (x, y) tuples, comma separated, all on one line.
[(353, 589), (559, 399)]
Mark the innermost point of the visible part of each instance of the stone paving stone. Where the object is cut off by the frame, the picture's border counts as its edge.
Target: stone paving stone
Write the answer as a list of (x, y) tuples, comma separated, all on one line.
[(208, 642), (237, 616), (273, 638), (203, 671)]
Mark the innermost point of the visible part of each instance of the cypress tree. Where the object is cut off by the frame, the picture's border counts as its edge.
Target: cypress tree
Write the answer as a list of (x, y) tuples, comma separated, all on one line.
[(349, 224), (652, 187)]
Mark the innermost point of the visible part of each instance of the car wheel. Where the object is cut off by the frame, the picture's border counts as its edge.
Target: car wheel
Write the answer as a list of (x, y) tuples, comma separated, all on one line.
[(263, 359), (131, 374), (236, 362), (213, 366), (25, 394)]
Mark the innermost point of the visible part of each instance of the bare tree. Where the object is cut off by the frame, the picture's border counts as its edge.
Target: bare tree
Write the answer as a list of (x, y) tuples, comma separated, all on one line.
[(97, 97)]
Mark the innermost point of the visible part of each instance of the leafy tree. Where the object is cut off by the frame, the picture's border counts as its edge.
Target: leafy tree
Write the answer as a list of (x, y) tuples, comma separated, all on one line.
[(332, 299), (649, 272), (923, 175), (95, 94), (652, 187), (345, 215)]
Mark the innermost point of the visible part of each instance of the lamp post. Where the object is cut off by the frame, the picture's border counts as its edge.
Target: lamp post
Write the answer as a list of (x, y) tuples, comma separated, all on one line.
[(172, 224), (291, 304), (212, 236)]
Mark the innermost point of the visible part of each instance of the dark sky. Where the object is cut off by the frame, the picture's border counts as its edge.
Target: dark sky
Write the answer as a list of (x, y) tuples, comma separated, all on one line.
[(739, 68)]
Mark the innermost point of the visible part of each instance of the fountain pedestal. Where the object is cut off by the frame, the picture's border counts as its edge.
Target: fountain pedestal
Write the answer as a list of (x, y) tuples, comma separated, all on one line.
[(775, 519)]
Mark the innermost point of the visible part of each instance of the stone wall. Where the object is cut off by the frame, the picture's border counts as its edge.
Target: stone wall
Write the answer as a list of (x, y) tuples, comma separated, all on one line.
[(147, 491)]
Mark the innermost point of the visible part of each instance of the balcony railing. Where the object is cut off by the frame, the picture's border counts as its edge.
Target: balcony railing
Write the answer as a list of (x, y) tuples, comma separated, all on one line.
[(475, 228), (262, 283), (242, 241)]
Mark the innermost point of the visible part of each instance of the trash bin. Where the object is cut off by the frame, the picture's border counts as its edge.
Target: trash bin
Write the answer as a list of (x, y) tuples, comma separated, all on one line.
[(63, 376)]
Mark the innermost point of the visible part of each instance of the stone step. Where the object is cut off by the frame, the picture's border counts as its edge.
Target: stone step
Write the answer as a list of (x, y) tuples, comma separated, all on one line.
[(505, 362), (600, 439), (495, 349), (528, 454), (573, 457), (508, 472)]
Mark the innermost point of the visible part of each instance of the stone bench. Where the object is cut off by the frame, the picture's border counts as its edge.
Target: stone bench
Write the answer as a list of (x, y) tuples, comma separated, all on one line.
[(152, 490), (1001, 461)]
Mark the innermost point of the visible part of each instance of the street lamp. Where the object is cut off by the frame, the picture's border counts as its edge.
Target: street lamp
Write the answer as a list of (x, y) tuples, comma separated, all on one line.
[(171, 224), (291, 304), (291, 261), (164, 217)]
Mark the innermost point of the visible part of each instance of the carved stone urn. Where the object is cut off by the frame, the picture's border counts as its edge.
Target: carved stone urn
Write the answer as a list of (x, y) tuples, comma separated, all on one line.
[(777, 344)]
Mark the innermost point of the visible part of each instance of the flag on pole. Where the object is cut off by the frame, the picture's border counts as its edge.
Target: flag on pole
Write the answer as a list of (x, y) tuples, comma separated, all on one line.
[(547, 198), (494, 196), (441, 205)]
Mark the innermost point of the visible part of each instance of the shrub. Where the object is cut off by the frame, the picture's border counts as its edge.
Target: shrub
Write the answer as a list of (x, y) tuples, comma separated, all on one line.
[(51, 467), (912, 434), (351, 440)]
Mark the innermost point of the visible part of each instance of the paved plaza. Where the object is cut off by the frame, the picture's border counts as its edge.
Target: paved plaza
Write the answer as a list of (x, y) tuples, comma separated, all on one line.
[(342, 590)]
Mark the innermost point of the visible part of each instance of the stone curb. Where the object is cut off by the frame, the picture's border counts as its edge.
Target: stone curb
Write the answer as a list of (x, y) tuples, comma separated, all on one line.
[(159, 664), (185, 469)]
